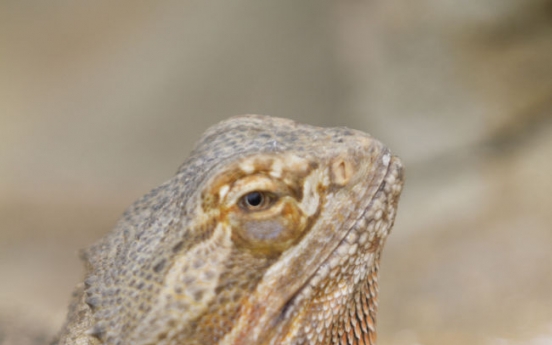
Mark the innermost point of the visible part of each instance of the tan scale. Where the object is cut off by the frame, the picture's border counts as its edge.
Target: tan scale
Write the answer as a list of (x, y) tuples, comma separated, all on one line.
[(270, 233)]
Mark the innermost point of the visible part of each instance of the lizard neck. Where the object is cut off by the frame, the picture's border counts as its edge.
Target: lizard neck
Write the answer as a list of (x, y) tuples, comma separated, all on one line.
[(346, 315)]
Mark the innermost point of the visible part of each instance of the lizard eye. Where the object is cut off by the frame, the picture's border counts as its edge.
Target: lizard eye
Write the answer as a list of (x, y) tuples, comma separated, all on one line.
[(257, 201)]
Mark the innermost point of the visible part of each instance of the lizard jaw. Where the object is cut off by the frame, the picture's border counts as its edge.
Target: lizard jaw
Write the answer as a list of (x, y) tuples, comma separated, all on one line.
[(331, 302)]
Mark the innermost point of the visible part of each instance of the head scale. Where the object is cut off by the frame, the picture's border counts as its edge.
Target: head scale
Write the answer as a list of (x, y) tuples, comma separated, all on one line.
[(267, 226)]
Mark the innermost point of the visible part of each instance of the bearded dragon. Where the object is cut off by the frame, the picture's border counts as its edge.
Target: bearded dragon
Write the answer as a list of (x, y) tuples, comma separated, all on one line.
[(270, 233)]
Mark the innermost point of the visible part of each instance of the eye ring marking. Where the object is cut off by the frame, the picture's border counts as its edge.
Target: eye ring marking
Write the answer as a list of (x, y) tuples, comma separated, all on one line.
[(257, 201)]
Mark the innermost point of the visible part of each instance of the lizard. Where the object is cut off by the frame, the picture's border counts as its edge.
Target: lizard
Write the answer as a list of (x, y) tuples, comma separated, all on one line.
[(271, 232)]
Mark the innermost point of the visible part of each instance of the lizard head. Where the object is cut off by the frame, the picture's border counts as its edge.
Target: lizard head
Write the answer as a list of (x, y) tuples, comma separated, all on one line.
[(270, 233)]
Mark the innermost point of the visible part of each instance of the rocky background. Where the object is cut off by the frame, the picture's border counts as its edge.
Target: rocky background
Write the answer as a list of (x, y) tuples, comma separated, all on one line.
[(101, 101)]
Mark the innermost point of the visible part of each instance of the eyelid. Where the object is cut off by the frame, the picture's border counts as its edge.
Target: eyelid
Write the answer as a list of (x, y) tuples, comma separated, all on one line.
[(250, 184)]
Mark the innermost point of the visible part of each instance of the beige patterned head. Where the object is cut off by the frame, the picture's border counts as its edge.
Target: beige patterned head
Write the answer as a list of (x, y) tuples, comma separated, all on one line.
[(270, 233)]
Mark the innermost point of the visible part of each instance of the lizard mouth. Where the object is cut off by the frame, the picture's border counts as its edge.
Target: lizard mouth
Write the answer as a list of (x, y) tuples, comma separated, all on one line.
[(363, 240), (376, 220), (370, 229)]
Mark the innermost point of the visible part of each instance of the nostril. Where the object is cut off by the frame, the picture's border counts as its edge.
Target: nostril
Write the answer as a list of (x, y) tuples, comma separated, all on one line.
[(342, 170)]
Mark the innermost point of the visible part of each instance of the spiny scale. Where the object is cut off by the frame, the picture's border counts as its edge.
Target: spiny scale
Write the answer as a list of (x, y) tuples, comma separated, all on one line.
[(270, 233)]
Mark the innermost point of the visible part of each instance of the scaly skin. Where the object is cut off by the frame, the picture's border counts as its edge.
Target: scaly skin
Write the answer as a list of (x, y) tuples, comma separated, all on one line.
[(269, 233)]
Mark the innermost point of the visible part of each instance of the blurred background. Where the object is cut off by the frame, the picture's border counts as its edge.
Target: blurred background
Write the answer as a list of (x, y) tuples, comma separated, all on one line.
[(101, 101)]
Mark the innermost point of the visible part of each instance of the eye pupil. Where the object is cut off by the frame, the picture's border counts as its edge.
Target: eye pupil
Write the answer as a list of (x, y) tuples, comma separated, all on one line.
[(254, 199)]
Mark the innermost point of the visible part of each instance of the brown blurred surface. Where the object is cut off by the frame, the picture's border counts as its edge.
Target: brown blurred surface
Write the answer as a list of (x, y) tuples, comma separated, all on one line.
[(101, 101)]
